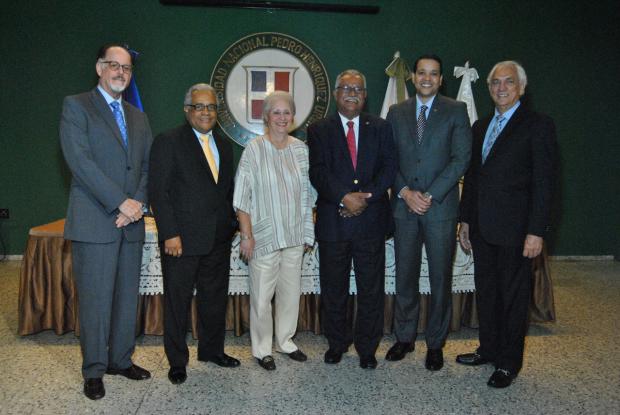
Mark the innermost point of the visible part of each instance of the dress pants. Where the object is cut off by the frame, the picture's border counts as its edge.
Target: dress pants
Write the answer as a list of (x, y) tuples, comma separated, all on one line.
[(209, 275), (439, 238), (278, 273), (107, 276), (503, 279), (368, 257)]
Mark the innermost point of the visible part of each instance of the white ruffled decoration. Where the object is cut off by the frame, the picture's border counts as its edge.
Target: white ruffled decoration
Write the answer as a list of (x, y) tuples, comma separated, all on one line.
[(465, 93)]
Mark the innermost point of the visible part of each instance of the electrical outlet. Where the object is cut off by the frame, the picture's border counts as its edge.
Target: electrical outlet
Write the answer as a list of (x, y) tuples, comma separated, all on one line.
[(4, 213)]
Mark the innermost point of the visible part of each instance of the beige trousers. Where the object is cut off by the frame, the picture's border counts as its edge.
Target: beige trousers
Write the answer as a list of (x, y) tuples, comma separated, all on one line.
[(277, 273)]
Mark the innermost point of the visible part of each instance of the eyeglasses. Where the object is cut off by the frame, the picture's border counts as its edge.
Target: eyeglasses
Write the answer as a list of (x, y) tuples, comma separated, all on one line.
[(115, 66), (201, 107), (348, 89)]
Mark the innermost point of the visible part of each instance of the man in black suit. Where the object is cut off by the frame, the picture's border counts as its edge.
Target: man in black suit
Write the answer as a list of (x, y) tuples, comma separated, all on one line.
[(352, 164), (106, 143), (433, 142), (504, 216), (190, 188)]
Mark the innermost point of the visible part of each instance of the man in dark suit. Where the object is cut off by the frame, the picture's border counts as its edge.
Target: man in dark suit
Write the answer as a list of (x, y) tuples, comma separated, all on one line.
[(352, 165), (191, 188), (504, 216), (433, 142), (106, 143)]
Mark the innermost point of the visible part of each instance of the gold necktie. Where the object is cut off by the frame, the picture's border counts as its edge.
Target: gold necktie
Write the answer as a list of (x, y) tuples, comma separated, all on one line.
[(206, 148)]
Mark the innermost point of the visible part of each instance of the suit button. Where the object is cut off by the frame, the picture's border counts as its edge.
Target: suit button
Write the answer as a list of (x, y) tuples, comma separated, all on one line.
[(419, 160), (128, 168), (415, 180), (356, 181)]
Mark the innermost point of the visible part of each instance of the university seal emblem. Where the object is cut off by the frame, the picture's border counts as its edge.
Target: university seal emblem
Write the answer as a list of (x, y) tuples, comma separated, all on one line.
[(259, 64)]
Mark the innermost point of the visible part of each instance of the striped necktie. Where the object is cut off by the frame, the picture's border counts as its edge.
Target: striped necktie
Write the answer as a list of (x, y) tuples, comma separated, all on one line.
[(497, 128)]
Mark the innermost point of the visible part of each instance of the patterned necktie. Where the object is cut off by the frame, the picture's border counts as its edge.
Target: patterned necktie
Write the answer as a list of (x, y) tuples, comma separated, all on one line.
[(206, 148), (351, 143), (489, 144), (118, 116), (421, 122)]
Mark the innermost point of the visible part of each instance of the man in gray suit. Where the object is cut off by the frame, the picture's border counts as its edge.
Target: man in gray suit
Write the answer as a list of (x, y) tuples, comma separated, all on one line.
[(106, 143), (433, 142)]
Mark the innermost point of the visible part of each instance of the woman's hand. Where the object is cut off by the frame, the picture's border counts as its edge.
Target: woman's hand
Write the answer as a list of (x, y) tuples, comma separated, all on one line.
[(246, 249)]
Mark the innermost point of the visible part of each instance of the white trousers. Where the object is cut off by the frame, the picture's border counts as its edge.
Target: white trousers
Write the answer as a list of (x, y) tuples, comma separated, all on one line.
[(277, 273)]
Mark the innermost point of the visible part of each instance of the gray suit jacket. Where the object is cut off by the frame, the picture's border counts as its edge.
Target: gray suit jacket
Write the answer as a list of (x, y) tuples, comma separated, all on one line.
[(104, 172), (435, 165)]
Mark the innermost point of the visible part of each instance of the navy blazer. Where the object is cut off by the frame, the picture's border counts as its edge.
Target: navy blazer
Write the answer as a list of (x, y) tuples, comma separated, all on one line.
[(509, 196), (333, 176), (185, 198)]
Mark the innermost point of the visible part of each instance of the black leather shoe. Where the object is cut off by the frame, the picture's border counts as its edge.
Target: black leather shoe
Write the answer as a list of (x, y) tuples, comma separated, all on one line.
[(267, 363), (501, 378), (222, 360), (399, 350), (471, 359), (332, 357), (93, 388), (177, 375), (368, 362), (298, 356), (133, 372), (434, 359)]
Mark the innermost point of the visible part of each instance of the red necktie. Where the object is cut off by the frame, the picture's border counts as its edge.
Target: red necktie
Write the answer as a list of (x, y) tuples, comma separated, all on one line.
[(351, 143)]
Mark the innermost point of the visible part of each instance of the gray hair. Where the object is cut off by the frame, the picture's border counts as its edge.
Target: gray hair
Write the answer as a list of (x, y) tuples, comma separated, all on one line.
[(272, 98), (353, 72), (520, 72), (198, 87)]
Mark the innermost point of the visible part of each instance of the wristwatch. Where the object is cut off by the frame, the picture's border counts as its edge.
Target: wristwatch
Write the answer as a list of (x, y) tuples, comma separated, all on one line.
[(427, 195)]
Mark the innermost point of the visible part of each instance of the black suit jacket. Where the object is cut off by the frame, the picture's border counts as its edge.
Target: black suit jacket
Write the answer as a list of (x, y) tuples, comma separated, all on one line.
[(510, 195), (185, 199), (333, 176)]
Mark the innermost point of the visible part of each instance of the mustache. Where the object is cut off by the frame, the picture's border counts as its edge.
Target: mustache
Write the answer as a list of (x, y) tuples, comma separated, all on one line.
[(119, 78), (355, 100)]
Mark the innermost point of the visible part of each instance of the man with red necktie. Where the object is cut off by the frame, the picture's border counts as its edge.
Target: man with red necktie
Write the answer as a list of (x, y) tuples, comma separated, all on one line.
[(352, 165)]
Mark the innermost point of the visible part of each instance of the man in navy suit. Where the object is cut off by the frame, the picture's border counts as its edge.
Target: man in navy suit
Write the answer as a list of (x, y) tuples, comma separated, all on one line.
[(106, 143), (191, 188), (505, 213), (352, 165)]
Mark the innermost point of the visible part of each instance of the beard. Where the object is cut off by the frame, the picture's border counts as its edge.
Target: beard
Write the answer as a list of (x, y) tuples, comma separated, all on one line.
[(116, 86)]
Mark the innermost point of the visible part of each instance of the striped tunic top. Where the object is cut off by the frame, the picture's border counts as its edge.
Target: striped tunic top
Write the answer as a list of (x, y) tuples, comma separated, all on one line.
[(272, 186)]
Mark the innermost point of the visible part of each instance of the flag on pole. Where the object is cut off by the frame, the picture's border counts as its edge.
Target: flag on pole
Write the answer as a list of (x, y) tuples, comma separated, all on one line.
[(396, 92), (465, 93), (131, 94)]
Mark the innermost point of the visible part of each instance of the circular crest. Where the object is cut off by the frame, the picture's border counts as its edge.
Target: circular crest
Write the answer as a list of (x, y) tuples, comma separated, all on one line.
[(259, 64)]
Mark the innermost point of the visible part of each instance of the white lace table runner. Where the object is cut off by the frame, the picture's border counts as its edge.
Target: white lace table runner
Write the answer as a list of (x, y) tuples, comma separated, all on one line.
[(151, 281)]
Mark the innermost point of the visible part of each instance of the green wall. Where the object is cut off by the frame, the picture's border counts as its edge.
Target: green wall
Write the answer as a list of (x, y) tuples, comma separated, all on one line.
[(570, 53)]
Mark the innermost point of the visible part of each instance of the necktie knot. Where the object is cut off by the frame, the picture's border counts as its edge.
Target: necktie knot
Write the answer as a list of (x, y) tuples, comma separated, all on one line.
[(423, 109), (350, 124), (499, 119)]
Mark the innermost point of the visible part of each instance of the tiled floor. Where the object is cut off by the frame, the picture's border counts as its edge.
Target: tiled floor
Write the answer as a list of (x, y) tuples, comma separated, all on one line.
[(571, 366)]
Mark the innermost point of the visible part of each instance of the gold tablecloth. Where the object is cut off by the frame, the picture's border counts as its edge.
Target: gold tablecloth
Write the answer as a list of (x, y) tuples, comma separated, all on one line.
[(48, 300)]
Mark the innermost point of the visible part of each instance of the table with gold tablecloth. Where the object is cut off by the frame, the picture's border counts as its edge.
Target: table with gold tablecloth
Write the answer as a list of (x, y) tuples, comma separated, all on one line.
[(48, 300)]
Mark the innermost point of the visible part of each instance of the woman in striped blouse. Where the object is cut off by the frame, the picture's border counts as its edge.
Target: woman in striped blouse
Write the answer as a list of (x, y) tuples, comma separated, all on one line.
[(273, 199)]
